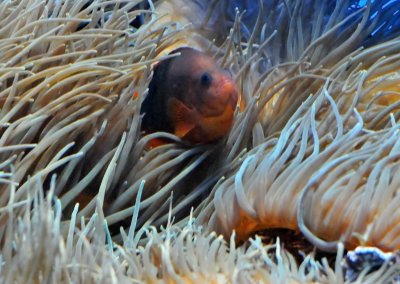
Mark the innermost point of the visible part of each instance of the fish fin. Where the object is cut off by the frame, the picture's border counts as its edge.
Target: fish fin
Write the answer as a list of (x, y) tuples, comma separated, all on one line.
[(156, 142), (182, 129), (181, 116), (242, 104)]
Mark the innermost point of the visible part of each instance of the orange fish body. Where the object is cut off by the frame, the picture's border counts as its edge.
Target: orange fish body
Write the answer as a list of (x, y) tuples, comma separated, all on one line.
[(190, 96)]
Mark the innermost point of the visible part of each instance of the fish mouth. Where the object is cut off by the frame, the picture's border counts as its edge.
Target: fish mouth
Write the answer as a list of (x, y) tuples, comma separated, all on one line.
[(228, 88), (224, 95)]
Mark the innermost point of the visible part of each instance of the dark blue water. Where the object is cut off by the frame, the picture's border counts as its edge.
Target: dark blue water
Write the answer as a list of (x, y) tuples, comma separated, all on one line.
[(386, 12), (387, 15), (299, 23)]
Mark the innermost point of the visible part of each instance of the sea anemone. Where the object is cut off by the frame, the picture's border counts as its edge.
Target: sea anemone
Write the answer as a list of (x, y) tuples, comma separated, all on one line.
[(314, 149)]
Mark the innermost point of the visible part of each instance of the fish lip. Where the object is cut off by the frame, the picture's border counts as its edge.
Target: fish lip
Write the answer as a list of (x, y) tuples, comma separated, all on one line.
[(226, 95), (224, 81), (233, 94)]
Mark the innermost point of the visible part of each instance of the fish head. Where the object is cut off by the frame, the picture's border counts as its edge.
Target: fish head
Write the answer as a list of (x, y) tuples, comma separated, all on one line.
[(201, 84), (203, 95)]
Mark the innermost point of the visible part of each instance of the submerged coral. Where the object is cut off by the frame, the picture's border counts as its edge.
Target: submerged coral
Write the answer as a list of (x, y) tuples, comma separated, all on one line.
[(315, 149)]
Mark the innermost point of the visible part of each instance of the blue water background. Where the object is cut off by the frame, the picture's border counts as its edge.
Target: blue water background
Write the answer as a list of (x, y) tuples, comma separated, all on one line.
[(386, 13)]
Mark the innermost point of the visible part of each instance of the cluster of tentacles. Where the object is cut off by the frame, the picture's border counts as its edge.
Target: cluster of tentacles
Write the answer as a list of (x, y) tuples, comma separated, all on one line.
[(316, 148)]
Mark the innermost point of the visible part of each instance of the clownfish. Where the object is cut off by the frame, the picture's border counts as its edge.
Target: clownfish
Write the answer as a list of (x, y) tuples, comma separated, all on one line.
[(191, 97)]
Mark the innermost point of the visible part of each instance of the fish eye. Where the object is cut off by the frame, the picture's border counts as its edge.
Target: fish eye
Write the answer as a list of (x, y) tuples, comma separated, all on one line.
[(206, 79)]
